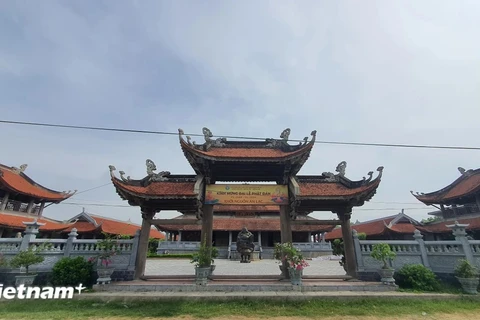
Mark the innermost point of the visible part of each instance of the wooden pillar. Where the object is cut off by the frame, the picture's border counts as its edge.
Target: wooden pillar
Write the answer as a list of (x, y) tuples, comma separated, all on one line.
[(147, 215), (4, 202), (207, 225), (285, 233), (285, 224), (344, 217), (477, 198), (42, 206), (30, 206)]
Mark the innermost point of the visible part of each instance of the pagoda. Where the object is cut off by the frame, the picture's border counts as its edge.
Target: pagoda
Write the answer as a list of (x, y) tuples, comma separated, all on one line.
[(271, 166), (21, 198), (458, 201)]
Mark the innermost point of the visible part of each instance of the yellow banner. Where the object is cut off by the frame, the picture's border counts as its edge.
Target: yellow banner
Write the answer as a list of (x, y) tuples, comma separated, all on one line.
[(246, 194)]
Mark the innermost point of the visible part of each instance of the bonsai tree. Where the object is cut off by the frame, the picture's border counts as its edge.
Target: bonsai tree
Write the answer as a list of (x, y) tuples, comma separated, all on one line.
[(466, 270), (26, 258), (383, 253), (108, 248), (204, 257)]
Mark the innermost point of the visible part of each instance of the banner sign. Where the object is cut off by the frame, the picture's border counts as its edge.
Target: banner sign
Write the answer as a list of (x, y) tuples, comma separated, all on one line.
[(246, 194)]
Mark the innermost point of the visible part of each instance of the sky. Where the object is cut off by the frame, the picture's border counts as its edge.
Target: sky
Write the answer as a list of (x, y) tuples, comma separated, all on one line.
[(400, 72)]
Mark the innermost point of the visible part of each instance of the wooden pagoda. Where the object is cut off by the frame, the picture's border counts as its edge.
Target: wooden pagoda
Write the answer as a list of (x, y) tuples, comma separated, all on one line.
[(218, 160)]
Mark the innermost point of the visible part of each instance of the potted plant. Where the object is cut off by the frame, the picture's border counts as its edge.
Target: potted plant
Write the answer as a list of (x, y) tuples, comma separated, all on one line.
[(203, 261), (292, 259), (383, 253), (24, 259), (103, 260), (467, 275)]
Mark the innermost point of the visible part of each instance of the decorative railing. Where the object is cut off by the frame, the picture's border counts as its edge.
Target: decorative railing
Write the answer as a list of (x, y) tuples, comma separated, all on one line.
[(55, 249), (440, 256)]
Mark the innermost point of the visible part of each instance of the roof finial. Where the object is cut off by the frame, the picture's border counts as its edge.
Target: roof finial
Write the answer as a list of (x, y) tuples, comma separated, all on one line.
[(22, 168), (462, 170)]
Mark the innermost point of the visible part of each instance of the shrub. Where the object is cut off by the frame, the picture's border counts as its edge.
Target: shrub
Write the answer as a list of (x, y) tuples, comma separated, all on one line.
[(465, 269), (72, 272), (417, 277), (152, 245)]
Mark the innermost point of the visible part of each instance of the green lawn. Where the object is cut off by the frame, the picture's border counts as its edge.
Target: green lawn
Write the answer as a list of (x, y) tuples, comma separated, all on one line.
[(383, 307)]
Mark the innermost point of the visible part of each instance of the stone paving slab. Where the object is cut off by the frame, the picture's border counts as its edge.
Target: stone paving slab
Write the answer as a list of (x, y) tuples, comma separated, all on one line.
[(228, 267), (290, 295)]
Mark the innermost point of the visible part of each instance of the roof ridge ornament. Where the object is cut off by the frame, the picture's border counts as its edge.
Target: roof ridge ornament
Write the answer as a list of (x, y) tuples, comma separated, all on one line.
[(341, 168), (151, 167), (463, 171), (22, 168)]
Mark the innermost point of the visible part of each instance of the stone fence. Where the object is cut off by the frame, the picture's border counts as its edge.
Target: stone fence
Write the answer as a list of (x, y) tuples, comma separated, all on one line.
[(440, 256), (123, 261), (309, 249)]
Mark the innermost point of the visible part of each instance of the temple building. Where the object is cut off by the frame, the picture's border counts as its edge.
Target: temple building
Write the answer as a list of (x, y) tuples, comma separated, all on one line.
[(24, 200), (395, 227), (458, 201), (263, 221), (21, 197), (269, 170)]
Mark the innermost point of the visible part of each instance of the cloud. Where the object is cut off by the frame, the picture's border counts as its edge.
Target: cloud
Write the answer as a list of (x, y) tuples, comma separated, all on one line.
[(372, 72)]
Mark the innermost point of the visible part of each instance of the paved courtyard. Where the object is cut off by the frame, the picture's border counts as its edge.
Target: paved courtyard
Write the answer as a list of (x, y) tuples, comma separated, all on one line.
[(319, 266)]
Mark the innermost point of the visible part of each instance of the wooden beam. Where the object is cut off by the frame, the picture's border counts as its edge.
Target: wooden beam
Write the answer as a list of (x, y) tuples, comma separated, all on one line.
[(316, 222), (169, 222)]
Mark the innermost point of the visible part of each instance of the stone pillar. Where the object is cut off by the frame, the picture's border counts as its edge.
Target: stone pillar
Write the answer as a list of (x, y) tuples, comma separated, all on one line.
[(30, 206), (40, 210), (344, 217), (358, 250), (229, 245), (3, 205), (259, 238), (142, 251), (30, 233), (179, 236), (458, 231), (69, 245), (207, 225), (423, 251)]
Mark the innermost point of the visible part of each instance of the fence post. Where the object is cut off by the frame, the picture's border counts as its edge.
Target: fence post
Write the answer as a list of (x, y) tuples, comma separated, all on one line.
[(358, 251), (458, 231), (423, 251), (133, 254), (67, 251), (30, 233)]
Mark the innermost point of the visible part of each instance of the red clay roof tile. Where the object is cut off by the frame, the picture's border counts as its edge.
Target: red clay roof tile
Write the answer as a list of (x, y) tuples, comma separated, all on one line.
[(159, 189), (17, 222), (246, 153), (332, 189), (21, 183), (371, 228), (441, 227), (252, 224), (458, 188)]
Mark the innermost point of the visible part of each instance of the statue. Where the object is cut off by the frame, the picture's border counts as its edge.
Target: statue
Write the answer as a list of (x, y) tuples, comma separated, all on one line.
[(245, 245)]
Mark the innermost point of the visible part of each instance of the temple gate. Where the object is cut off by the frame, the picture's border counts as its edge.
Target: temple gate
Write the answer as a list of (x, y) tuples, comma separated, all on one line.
[(219, 160)]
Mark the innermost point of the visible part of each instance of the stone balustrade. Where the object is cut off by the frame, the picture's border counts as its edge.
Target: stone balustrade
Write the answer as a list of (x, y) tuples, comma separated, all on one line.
[(439, 256), (123, 261)]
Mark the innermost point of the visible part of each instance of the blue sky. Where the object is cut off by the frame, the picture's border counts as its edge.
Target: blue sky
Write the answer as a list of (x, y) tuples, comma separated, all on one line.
[(376, 71)]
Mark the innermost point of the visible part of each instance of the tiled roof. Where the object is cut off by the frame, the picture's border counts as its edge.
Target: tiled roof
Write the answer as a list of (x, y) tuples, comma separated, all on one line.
[(19, 182), (467, 184), (371, 228), (158, 189), (332, 189), (441, 227), (111, 226), (16, 221), (252, 224), (248, 153)]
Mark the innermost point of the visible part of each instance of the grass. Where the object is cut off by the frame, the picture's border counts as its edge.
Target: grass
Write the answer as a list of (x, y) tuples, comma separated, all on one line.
[(382, 307)]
